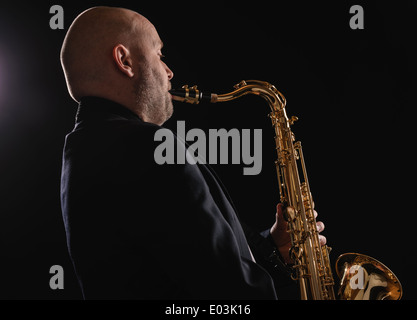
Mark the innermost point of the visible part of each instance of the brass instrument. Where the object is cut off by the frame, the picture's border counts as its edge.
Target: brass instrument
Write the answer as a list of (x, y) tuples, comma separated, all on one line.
[(362, 277)]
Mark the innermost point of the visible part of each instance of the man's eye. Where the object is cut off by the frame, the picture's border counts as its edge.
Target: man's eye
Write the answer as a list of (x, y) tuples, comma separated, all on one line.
[(161, 56)]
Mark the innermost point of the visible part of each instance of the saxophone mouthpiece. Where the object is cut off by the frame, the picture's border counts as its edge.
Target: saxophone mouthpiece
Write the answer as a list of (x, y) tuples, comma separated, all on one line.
[(192, 95)]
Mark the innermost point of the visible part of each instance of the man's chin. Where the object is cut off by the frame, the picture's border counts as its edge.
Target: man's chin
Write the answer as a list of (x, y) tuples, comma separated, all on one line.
[(169, 110), (166, 113)]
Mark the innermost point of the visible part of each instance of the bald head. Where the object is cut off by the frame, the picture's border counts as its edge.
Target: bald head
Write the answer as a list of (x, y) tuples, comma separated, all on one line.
[(110, 52), (89, 41)]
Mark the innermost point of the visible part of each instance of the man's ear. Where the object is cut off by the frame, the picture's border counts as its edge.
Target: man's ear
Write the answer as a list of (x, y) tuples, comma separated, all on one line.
[(123, 60)]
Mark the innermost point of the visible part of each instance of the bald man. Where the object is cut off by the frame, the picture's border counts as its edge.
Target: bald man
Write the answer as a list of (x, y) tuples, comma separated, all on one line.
[(136, 229)]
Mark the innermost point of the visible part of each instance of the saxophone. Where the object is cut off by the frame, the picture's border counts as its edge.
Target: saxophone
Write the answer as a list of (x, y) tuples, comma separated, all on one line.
[(362, 277)]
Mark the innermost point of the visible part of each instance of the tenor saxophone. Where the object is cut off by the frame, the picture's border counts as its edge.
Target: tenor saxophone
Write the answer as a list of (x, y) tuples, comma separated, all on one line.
[(361, 277)]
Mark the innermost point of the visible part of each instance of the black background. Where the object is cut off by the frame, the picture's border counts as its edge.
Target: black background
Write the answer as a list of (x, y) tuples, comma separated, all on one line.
[(353, 91)]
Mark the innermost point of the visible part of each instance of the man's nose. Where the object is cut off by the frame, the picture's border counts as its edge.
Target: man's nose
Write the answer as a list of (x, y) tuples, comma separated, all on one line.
[(169, 73)]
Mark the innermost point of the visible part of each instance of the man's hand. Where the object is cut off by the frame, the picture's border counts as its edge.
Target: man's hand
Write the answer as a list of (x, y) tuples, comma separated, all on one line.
[(282, 237)]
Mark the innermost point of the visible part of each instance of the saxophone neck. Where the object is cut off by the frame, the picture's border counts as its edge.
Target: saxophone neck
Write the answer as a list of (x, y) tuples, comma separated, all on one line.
[(261, 88)]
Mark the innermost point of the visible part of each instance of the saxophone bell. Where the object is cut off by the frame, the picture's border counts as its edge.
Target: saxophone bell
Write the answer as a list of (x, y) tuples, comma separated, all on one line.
[(365, 278)]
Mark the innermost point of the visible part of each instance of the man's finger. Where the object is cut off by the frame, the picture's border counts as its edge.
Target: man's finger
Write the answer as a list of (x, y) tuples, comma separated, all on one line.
[(322, 240), (280, 209), (280, 220), (320, 226)]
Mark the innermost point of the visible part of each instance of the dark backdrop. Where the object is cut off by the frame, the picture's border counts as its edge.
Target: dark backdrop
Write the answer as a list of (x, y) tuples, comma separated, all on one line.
[(353, 90)]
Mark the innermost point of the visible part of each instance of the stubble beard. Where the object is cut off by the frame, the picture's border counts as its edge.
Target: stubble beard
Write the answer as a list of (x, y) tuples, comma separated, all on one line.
[(152, 100)]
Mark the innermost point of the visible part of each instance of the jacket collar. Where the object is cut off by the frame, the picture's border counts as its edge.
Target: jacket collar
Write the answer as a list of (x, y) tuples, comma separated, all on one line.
[(95, 107)]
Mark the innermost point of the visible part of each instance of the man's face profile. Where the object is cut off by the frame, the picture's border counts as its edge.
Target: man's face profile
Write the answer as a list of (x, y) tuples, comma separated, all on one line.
[(153, 78)]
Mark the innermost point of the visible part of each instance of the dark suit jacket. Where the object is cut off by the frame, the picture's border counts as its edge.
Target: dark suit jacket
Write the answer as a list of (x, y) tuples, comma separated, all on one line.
[(139, 230)]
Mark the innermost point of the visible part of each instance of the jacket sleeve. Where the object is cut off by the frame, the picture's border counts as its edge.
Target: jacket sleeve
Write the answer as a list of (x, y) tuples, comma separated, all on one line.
[(268, 256)]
